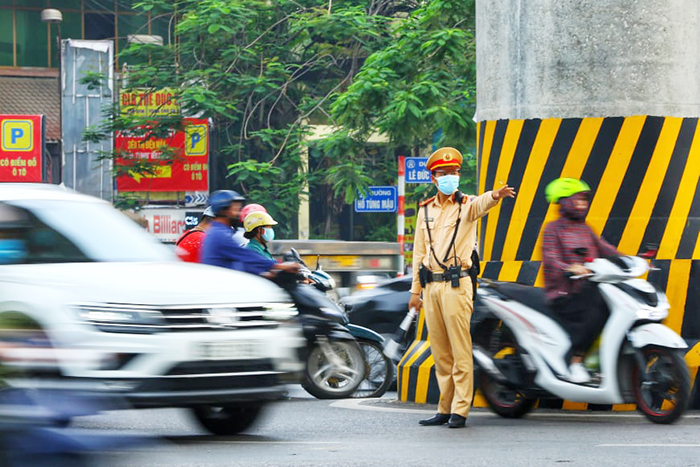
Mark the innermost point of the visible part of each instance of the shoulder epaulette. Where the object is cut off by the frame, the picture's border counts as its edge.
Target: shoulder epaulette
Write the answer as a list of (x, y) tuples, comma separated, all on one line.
[(427, 201)]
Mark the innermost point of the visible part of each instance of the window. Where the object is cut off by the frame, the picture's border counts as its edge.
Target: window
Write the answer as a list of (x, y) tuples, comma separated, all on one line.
[(25, 239), (7, 54), (130, 24), (34, 44), (32, 39), (99, 26), (75, 231)]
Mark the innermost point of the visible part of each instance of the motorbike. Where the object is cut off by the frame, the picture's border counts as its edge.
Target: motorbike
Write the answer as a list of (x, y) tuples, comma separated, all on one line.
[(342, 359), (521, 349)]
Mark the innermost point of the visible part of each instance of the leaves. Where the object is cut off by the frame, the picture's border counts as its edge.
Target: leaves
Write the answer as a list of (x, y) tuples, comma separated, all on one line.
[(264, 71)]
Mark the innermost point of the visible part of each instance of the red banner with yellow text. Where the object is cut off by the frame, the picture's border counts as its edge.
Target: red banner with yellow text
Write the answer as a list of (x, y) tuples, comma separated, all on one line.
[(188, 169)]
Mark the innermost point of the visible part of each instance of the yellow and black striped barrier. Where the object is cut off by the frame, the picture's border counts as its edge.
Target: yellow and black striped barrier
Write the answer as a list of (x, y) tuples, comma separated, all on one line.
[(644, 172)]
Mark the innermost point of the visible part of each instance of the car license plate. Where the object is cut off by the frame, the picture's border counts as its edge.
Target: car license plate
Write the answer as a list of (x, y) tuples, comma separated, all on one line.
[(228, 350)]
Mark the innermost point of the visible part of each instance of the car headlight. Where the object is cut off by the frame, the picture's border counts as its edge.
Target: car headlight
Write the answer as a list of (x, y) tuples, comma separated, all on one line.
[(280, 312), (118, 317)]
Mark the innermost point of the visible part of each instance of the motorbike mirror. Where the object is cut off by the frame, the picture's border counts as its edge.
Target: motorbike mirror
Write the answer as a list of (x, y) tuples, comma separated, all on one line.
[(649, 251), (318, 263), (294, 254)]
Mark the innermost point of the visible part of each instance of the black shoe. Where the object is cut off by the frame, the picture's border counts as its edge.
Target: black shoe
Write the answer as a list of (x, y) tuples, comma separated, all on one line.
[(456, 421), (438, 419)]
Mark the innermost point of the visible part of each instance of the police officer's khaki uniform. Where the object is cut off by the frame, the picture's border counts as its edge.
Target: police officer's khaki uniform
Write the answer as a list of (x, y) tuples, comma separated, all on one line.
[(448, 310)]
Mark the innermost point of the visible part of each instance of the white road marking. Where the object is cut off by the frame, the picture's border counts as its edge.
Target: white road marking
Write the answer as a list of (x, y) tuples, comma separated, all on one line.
[(273, 442), (648, 445), (359, 404)]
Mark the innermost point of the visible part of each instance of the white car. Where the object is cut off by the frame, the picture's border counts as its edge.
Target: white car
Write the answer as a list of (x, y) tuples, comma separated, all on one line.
[(122, 315)]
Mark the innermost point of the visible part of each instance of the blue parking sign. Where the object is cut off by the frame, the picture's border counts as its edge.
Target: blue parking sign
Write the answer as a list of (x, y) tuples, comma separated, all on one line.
[(416, 171), (379, 199)]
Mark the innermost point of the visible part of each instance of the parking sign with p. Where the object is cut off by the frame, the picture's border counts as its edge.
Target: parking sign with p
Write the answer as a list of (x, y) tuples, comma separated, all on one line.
[(196, 141), (21, 148), (17, 135)]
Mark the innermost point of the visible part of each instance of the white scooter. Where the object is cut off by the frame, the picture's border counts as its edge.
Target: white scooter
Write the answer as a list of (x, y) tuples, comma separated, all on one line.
[(521, 349)]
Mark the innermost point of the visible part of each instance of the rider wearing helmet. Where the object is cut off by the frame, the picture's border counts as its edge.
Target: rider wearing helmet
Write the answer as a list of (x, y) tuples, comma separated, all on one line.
[(189, 245), (566, 244), (248, 208), (259, 232), (220, 249)]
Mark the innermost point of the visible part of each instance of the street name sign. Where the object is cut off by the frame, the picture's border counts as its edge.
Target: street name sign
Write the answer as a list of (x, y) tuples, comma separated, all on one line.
[(379, 199), (416, 171)]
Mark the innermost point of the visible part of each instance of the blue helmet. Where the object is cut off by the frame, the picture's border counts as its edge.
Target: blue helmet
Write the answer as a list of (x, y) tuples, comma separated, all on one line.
[(222, 199)]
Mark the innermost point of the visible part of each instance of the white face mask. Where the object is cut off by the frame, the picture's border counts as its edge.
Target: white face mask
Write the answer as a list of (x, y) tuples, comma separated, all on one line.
[(448, 184), (269, 234)]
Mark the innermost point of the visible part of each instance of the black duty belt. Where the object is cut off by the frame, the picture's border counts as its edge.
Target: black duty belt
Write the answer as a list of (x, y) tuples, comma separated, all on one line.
[(440, 277)]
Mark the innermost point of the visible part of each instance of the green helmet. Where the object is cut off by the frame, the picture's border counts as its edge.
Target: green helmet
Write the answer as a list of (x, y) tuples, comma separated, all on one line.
[(563, 188)]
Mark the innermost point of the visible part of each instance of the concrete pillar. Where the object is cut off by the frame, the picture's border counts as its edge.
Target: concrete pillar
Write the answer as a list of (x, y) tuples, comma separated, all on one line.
[(603, 90)]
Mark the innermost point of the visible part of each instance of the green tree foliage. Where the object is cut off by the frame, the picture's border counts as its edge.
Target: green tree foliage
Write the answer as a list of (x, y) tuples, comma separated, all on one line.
[(422, 83), (265, 70)]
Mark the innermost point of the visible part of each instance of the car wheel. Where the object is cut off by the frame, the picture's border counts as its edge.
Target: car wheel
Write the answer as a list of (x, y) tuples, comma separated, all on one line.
[(227, 420)]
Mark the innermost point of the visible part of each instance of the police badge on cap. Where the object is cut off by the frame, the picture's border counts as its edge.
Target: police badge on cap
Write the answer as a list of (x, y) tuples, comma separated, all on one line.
[(444, 157)]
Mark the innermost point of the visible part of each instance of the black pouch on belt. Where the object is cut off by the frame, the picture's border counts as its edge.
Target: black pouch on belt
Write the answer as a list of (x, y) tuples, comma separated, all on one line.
[(424, 275), (454, 273)]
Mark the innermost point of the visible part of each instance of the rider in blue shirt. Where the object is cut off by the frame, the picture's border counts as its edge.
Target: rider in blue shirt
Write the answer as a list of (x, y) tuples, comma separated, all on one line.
[(220, 248)]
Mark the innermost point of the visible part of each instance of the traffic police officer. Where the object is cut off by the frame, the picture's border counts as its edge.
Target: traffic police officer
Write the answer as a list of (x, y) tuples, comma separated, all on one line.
[(444, 240)]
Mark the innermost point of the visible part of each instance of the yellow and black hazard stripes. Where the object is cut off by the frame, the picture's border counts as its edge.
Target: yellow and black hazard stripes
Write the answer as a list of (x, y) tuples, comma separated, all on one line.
[(415, 378), (644, 172)]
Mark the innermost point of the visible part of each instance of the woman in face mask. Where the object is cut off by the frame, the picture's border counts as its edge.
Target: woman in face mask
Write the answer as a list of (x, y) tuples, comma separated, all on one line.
[(259, 232)]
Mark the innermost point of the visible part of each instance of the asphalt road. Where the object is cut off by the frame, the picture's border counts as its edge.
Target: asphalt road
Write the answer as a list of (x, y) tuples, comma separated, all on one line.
[(304, 431)]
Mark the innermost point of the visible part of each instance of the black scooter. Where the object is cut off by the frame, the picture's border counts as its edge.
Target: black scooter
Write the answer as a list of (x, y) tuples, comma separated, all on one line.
[(342, 359)]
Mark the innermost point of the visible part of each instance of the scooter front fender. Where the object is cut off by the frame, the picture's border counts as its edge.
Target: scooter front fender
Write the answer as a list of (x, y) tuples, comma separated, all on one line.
[(340, 333), (655, 334), (359, 332)]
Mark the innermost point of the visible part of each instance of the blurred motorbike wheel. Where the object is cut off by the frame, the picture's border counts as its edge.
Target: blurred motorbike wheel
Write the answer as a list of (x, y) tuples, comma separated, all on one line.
[(334, 369), (379, 372)]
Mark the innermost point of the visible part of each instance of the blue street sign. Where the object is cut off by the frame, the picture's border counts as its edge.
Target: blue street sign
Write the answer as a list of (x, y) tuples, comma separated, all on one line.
[(379, 199), (416, 171)]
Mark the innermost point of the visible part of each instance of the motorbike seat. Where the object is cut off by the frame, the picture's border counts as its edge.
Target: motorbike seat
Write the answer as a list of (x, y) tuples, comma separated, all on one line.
[(532, 297)]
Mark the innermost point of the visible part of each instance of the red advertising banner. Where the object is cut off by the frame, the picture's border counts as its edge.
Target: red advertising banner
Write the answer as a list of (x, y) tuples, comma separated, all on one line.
[(21, 148), (189, 171)]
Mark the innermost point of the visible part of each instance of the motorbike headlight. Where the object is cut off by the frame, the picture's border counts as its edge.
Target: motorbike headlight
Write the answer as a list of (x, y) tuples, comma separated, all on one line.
[(646, 312)]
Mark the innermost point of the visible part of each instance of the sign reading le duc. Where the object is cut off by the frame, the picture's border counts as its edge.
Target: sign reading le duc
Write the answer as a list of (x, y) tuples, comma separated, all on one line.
[(416, 171), (379, 199)]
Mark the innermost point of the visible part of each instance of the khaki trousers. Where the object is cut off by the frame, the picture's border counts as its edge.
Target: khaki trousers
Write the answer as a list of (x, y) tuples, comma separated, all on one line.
[(448, 313)]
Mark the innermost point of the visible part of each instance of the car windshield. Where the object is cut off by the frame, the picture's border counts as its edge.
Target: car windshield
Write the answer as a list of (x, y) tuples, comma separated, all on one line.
[(79, 231)]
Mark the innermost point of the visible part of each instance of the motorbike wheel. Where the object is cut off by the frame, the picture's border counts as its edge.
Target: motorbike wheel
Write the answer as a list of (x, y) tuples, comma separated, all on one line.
[(504, 400), (662, 387), (379, 372), (334, 369), (227, 420)]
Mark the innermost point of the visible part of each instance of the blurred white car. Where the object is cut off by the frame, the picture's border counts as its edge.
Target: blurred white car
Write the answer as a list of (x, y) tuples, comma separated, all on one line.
[(117, 313)]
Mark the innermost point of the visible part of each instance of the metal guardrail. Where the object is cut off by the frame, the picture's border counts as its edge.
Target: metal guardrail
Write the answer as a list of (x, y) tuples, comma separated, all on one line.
[(342, 256)]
